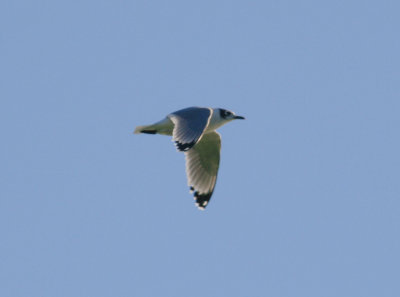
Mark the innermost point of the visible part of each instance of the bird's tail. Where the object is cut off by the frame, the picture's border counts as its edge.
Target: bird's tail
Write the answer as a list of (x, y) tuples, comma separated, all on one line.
[(150, 129)]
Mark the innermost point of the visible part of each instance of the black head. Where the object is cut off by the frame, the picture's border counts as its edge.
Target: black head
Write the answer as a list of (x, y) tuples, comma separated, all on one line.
[(225, 114), (229, 115)]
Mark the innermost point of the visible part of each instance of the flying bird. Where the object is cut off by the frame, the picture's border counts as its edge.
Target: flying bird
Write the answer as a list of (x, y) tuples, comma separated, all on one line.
[(193, 132)]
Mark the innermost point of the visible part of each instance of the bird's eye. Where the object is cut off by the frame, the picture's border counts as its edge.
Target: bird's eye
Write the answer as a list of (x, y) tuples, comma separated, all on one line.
[(225, 113)]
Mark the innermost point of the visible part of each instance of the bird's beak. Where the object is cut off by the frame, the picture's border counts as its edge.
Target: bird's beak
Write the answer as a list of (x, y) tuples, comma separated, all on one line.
[(239, 117)]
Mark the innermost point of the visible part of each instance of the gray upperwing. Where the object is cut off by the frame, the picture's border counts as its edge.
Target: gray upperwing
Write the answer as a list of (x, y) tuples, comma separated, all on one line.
[(189, 125), (202, 163)]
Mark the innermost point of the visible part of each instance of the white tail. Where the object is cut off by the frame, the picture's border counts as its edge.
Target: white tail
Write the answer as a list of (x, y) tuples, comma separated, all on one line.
[(145, 129), (163, 127)]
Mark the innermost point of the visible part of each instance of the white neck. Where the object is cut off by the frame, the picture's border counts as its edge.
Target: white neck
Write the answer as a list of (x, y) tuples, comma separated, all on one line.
[(216, 121)]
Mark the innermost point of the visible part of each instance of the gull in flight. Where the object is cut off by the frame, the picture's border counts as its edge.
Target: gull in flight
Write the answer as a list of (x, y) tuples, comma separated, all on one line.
[(193, 132)]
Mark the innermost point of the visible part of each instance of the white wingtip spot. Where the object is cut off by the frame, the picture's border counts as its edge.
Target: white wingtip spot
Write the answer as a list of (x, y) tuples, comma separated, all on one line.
[(199, 206)]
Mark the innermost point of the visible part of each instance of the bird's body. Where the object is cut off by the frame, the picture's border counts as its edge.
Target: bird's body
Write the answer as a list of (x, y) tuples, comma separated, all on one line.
[(193, 131)]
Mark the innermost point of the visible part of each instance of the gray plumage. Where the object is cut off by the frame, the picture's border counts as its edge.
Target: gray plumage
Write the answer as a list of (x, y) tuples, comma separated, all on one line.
[(193, 131)]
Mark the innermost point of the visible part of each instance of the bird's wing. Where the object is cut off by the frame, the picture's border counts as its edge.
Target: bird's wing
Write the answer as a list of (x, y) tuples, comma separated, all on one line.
[(189, 125), (202, 163)]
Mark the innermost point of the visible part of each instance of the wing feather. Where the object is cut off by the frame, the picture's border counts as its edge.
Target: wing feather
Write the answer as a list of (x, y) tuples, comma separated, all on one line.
[(202, 163), (189, 125)]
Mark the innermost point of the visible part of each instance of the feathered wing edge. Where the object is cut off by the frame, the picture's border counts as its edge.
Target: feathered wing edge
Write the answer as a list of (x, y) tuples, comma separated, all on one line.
[(202, 163), (189, 126)]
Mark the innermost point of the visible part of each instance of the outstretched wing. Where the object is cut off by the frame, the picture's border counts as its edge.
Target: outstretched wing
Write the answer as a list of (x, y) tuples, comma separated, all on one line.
[(202, 163), (189, 125)]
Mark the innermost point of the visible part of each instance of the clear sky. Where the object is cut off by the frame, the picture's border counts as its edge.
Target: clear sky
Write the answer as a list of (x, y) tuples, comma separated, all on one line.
[(307, 202)]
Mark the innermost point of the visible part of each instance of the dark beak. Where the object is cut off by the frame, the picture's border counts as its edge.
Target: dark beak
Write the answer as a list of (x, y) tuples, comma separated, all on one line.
[(239, 117)]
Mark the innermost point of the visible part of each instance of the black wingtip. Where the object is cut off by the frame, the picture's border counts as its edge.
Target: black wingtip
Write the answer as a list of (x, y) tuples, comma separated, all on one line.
[(202, 200), (183, 147)]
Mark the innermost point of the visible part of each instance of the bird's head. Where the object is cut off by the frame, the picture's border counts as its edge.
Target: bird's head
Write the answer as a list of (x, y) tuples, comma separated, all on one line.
[(228, 115)]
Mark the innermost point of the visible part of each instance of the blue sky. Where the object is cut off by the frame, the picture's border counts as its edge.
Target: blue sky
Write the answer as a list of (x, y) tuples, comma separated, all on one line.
[(307, 199)]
